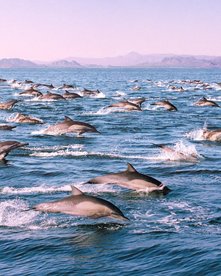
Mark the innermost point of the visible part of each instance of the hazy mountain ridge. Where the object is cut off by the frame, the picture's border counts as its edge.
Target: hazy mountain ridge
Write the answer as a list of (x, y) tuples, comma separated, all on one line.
[(65, 64), (132, 59), (17, 63)]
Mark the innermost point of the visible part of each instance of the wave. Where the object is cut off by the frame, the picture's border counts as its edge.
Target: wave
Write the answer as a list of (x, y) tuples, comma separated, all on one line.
[(45, 189), (42, 189), (180, 152)]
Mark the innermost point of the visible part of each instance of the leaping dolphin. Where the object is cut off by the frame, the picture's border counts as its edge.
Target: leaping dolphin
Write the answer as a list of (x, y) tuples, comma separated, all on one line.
[(90, 93), (8, 105), (51, 96), (166, 104), (212, 135), (31, 92), (22, 118), (80, 204), (127, 105), (7, 146), (131, 179), (205, 102), (180, 155), (70, 126), (70, 95), (6, 127)]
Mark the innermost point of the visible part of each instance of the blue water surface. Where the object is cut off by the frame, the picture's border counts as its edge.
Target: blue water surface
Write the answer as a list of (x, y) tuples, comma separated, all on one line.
[(176, 234)]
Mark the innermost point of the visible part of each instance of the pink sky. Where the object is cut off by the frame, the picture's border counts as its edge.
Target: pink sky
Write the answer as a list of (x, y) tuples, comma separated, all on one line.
[(54, 29)]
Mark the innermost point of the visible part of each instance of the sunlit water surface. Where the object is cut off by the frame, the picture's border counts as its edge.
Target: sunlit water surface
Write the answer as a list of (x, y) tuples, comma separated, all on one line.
[(177, 234)]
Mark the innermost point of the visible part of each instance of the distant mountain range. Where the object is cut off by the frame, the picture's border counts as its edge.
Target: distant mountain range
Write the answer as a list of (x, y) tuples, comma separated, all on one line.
[(132, 59)]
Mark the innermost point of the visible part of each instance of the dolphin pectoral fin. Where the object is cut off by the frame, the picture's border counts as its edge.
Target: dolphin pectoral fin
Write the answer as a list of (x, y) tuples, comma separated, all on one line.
[(75, 191)]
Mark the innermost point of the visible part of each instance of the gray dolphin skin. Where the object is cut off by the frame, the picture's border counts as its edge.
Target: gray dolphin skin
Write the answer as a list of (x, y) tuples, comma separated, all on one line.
[(31, 92), (70, 95), (7, 146), (8, 105), (67, 86), (169, 150), (127, 105), (80, 204), (70, 126), (87, 92), (49, 86), (205, 102), (22, 118), (6, 127), (166, 104), (131, 179), (51, 96), (212, 135)]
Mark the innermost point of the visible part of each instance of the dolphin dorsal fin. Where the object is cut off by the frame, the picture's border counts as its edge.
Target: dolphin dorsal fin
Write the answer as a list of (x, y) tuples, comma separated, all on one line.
[(75, 191), (67, 119), (130, 168), (67, 92)]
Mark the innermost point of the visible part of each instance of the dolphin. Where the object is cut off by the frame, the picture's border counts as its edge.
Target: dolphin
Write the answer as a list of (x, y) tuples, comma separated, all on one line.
[(69, 95), (31, 92), (67, 86), (127, 105), (9, 104), (175, 88), (49, 86), (205, 102), (22, 118), (131, 179), (3, 80), (28, 81), (136, 88), (80, 204), (7, 146), (88, 92), (212, 135), (6, 127), (69, 126), (51, 96), (180, 155), (166, 104)]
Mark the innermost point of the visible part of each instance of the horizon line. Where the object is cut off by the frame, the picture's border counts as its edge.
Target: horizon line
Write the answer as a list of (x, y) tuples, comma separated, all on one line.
[(106, 57)]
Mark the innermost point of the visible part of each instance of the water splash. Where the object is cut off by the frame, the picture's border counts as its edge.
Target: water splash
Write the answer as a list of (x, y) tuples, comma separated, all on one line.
[(196, 135), (12, 213), (180, 152)]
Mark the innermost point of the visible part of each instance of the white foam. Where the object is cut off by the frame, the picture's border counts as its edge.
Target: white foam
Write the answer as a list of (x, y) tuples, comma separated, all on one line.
[(119, 93), (196, 135), (42, 189), (45, 189), (12, 213), (180, 152)]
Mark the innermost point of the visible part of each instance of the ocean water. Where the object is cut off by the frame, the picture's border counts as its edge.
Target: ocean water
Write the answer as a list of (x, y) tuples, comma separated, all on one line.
[(176, 234)]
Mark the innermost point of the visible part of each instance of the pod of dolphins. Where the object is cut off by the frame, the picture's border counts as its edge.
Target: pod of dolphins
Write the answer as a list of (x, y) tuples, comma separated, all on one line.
[(78, 203)]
